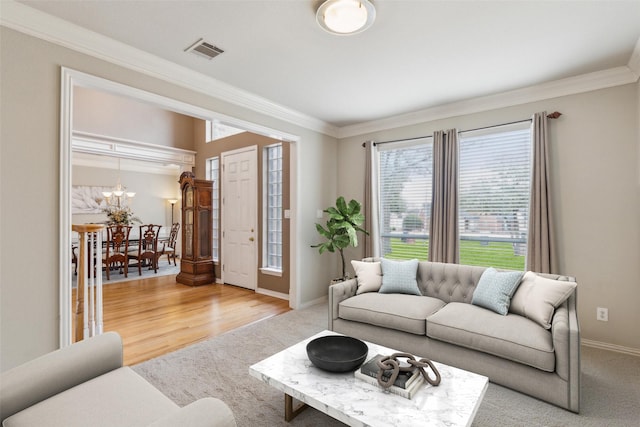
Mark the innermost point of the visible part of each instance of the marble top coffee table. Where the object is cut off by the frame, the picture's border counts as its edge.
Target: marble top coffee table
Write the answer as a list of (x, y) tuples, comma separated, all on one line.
[(356, 403)]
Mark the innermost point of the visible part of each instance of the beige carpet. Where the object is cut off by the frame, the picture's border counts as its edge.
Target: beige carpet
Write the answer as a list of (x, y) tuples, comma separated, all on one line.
[(219, 367)]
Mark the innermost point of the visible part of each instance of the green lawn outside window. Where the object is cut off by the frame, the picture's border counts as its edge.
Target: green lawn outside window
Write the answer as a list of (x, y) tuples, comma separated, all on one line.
[(494, 254)]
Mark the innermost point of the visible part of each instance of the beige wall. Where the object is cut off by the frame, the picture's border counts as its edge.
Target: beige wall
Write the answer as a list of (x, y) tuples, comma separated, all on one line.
[(29, 176), (247, 139), (116, 116), (152, 191), (596, 194)]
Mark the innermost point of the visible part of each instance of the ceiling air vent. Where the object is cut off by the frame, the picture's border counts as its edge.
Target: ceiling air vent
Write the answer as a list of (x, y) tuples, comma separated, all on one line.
[(204, 49)]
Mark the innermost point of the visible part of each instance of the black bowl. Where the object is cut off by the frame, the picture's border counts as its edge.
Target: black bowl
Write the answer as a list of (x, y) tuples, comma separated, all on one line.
[(337, 353)]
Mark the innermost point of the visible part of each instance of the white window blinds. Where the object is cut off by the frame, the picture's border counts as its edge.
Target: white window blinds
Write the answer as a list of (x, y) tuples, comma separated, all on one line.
[(495, 175), (405, 198)]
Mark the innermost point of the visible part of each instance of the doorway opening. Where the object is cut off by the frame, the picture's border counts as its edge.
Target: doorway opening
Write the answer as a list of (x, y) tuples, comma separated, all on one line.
[(72, 79)]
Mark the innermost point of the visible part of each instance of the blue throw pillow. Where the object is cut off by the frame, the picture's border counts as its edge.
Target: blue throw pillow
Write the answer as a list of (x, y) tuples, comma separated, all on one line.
[(399, 277), (495, 289)]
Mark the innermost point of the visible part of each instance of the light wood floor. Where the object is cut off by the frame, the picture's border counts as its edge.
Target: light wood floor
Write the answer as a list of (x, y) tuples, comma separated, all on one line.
[(157, 316)]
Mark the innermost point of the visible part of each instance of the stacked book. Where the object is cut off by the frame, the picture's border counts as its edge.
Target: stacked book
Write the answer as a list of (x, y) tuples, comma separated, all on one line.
[(406, 385)]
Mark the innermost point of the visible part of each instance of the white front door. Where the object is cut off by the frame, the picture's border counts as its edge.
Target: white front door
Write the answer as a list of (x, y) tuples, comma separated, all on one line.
[(239, 217)]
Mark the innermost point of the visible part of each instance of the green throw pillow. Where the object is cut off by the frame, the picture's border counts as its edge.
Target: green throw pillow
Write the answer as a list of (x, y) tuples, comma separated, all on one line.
[(495, 289), (399, 277)]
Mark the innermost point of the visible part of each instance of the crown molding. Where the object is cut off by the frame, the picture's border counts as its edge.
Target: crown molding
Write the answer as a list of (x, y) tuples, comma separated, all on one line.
[(634, 61), (35, 23), (569, 86), (102, 162), (109, 146)]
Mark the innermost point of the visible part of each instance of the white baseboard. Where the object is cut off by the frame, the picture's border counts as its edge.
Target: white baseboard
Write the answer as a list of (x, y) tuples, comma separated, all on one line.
[(611, 347), (274, 294), (286, 297), (313, 302)]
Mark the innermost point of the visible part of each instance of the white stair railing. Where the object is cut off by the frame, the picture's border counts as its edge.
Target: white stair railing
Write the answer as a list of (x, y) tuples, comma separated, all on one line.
[(88, 307)]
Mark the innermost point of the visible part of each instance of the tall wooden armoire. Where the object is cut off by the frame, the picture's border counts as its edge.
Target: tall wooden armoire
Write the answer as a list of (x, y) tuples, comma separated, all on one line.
[(196, 261)]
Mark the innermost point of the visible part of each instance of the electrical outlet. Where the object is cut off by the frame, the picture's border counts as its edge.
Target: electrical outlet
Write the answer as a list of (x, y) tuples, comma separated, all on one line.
[(602, 314)]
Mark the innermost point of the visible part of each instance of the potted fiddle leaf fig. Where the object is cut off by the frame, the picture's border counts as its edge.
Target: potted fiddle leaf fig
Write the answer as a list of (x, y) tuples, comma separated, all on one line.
[(341, 229)]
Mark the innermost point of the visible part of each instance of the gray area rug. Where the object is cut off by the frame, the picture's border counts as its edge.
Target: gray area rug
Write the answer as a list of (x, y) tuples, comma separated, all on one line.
[(219, 367), (164, 269)]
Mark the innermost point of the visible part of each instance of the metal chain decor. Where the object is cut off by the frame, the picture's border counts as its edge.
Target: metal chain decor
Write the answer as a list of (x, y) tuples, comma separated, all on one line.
[(391, 363)]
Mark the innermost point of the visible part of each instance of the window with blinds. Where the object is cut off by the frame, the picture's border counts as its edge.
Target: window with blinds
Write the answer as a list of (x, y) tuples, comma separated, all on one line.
[(213, 174), (404, 185), (273, 215), (494, 191)]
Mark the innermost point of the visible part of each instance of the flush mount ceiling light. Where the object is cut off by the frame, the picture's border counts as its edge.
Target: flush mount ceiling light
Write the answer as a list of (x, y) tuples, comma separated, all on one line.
[(345, 17)]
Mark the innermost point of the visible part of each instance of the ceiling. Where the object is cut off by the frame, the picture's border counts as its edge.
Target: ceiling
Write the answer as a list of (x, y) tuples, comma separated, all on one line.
[(417, 55)]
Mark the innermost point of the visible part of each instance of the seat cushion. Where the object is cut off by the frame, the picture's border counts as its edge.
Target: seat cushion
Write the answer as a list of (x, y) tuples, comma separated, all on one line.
[(112, 255), (118, 398), (402, 312), (511, 337)]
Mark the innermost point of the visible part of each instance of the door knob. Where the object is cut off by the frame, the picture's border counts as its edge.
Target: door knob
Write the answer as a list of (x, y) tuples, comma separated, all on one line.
[(251, 239)]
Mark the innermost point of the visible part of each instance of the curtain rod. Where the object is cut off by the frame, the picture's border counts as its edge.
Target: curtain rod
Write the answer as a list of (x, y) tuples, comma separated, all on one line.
[(553, 115)]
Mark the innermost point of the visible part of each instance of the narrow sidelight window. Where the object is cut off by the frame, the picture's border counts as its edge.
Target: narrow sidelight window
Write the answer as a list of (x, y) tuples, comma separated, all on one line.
[(213, 174), (272, 258)]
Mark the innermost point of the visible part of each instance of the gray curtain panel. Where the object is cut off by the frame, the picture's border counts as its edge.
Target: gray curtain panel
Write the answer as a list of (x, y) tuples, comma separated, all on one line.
[(444, 238), (541, 253), (368, 202)]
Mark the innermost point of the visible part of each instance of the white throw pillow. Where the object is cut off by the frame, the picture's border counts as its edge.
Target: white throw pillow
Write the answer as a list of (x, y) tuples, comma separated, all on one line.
[(369, 275), (537, 297)]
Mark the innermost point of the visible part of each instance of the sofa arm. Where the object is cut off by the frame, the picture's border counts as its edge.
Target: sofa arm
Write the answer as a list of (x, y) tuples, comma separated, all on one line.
[(206, 412), (338, 293), (565, 331), (560, 336), (53, 373)]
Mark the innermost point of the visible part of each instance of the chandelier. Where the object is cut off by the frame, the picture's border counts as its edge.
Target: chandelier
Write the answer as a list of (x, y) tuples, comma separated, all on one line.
[(119, 196)]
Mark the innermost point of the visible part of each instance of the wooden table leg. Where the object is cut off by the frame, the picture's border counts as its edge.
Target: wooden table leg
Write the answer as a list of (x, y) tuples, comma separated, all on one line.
[(289, 412)]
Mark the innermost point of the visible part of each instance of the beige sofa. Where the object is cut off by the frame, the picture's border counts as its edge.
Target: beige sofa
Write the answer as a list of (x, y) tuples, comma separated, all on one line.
[(442, 324), (85, 384)]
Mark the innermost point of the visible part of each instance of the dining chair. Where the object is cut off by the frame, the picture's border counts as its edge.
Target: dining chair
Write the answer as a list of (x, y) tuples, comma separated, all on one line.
[(117, 247), (147, 252), (74, 259), (169, 246)]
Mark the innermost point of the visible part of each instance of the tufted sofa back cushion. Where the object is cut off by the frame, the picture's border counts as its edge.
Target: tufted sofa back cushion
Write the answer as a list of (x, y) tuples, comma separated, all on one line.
[(448, 282)]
